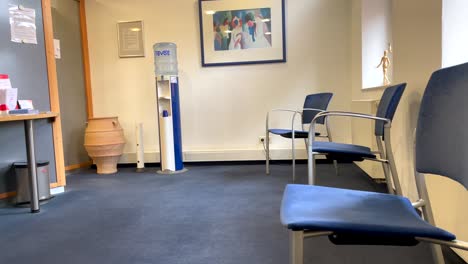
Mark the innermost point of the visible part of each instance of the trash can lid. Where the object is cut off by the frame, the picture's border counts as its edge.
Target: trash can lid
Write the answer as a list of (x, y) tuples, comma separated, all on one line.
[(24, 165)]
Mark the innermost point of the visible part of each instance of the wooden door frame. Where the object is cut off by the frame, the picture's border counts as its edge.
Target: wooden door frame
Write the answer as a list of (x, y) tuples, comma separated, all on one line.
[(86, 64), (53, 93), (53, 84)]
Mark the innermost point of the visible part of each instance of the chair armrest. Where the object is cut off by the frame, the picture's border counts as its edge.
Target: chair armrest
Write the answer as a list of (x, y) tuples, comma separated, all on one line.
[(283, 110), (294, 112), (351, 114), (327, 114), (454, 244), (313, 109)]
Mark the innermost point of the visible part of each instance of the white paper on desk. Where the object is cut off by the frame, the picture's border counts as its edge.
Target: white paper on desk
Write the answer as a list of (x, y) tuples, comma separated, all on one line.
[(8, 97), (23, 24), (25, 104)]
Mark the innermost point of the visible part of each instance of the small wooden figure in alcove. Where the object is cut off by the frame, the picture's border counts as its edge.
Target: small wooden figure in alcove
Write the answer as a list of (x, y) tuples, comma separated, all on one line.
[(385, 63)]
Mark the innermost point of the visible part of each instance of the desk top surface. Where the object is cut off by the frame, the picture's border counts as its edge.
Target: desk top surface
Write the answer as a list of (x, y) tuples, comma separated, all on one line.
[(43, 115)]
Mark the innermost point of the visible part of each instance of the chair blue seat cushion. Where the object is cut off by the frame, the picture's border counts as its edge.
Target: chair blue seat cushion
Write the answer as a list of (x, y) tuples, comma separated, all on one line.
[(287, 133), (316, 208), (343, 151)]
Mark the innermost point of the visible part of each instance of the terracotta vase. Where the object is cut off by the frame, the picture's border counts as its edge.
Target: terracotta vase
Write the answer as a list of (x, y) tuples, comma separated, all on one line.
[(104, 141)]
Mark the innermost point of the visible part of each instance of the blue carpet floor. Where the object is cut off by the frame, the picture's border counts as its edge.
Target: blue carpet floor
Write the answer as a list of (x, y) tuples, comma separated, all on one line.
[(210, 215)]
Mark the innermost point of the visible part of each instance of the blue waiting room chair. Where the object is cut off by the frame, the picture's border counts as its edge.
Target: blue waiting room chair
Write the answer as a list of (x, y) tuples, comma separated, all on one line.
[(366, 218), (313, 104), (348, 152)]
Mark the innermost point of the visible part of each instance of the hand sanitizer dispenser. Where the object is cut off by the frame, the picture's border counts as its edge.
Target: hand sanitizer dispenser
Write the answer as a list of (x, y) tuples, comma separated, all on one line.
[(167, 91)]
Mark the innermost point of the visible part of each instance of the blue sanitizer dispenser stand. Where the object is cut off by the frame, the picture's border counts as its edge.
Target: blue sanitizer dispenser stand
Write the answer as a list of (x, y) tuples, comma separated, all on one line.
[(167, 92)]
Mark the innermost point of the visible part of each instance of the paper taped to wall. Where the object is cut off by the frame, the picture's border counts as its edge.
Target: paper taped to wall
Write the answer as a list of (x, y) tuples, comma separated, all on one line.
[(23, 24), (57, 53)]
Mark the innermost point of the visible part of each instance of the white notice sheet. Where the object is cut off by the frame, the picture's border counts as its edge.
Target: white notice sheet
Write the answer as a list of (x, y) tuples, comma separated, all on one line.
[(23, 24)]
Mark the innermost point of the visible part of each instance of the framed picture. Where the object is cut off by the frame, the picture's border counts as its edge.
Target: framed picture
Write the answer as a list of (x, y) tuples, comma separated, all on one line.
[(234, 32), (130, 37)]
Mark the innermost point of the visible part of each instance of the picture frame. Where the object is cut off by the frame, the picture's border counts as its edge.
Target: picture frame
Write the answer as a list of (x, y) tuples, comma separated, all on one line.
[(130, 37), (236, 32)]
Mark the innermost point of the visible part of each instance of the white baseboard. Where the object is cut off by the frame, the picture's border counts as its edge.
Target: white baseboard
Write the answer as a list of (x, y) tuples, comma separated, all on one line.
[(221, 155), (57, 190)]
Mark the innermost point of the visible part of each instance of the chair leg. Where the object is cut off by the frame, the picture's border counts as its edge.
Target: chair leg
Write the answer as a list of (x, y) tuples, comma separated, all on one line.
[(385, 166), (388, 179), (428, 215), (437, 254), (329, 137), (267, 152), (335, 164), (391, 161), (311, 167), (394, 173), (296, 247), (293, 160)]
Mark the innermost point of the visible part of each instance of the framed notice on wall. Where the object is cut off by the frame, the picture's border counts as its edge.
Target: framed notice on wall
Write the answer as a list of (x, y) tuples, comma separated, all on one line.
[(130, 38)]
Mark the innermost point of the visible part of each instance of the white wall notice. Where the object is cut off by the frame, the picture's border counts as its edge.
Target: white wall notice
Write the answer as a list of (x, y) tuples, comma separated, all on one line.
[(57, 52), (23, 24)]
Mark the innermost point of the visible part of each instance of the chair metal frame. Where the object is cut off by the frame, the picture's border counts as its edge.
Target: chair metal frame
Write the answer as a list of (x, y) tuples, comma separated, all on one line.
[(293, 145), (384, 149), (296, 245), (296, 238), (439, 109)]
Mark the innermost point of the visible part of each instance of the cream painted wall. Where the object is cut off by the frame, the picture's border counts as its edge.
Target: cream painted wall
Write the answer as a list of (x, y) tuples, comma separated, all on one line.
[(417, 43), (416, 56), (223, 108), (376, 35), (417, 35)]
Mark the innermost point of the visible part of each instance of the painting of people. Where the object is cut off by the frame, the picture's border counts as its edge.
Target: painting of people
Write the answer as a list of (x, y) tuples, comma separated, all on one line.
[(242, 29)]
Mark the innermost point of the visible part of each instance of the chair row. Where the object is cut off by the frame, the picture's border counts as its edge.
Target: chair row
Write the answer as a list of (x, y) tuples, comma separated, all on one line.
[(351, 217), (315, 113)]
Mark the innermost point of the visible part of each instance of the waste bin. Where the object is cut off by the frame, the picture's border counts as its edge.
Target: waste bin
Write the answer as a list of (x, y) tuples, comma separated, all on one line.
[(22, 181)]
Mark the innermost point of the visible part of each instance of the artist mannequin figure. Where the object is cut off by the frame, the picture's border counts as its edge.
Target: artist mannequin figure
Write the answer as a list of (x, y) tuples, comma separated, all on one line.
[(385, 63)]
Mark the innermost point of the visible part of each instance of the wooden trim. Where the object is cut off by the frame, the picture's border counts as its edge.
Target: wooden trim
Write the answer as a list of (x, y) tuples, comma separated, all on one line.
[(86, 65), (79, 166), (53, 91), (7, 195), (12, 194), (10, 118)]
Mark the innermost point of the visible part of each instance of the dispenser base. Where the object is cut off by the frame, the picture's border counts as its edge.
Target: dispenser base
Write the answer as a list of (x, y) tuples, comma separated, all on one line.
[(169, 172)]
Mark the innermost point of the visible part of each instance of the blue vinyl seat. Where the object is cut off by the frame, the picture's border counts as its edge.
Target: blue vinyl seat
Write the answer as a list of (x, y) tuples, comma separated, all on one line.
[(349, 153), (350, 217), (287, 133), (355, 212), (313, 104), (343, 151)]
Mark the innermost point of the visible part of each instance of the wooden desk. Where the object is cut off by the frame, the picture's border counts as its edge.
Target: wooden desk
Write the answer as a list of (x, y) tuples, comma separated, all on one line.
[(30, 150)]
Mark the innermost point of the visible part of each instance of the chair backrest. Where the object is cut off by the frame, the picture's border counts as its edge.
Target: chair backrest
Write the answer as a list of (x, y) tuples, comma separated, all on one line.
[(388, 105), (317, 101), (441, 143)]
